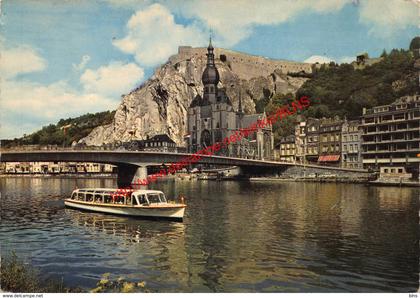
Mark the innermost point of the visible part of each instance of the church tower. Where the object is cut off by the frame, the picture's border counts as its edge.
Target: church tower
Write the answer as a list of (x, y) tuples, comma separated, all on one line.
[(210, 76)]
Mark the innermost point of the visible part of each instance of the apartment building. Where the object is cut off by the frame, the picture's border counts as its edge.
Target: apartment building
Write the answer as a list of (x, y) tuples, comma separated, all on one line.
[(330, 141), (287, 150), (312, 140), (300, 141), (351, 136), (391, 136)]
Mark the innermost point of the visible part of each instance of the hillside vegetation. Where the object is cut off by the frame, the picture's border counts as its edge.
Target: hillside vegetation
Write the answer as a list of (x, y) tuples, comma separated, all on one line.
[(344, 91), (65, 132)]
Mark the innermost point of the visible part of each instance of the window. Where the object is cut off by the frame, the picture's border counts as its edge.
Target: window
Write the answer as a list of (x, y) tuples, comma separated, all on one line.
[(153, 198), (89, 197), (98, 198), (74, 196), (400, 171), (162, 198), (345, 147), (142, 199), (107, 199)]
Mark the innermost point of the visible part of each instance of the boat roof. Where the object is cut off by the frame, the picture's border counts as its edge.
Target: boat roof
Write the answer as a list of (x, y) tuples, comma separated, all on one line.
[(135, 191)]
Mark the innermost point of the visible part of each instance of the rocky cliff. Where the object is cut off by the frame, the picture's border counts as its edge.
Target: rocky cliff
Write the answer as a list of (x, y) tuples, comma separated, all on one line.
[(160, 104)]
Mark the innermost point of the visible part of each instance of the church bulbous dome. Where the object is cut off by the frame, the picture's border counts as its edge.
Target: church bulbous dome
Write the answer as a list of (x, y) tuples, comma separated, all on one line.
[(210, 75)]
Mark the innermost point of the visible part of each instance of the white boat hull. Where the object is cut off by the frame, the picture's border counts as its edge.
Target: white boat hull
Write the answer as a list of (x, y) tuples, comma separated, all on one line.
[(168, 211)]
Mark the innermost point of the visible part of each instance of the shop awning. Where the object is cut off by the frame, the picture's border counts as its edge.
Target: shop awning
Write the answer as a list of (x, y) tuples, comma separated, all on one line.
[(329, 158)]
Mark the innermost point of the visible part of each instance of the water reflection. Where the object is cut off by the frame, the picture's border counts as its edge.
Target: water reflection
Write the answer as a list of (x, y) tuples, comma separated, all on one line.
[(237, 236)]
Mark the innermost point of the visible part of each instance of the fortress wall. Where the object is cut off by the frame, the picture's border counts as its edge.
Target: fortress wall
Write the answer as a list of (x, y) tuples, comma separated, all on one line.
[(247, 66)]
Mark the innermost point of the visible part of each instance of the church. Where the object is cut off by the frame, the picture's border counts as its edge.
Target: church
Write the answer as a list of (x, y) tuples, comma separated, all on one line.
[(211, 118)]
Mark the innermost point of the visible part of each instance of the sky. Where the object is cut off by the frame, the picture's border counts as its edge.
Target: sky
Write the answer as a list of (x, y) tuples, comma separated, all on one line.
[(64, 58)]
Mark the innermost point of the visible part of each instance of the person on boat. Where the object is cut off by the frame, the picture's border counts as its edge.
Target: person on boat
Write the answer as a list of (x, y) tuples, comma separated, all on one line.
[(181, 199)]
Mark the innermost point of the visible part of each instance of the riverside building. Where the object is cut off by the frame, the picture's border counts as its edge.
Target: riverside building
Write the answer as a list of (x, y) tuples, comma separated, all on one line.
[(391, 137), (351, 136), (330, 142)]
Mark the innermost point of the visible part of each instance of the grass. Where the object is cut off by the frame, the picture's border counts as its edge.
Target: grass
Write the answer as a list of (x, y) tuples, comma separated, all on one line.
[(16, 276)]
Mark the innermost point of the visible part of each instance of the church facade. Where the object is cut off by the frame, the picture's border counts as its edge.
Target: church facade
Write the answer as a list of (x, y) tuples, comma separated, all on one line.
[(211, 118)]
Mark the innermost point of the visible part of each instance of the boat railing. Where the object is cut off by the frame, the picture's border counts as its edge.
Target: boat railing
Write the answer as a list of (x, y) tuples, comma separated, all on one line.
[(102, 196)]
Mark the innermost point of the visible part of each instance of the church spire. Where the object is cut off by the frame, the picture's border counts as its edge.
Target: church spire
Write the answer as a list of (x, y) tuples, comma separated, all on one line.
[(210, 54)]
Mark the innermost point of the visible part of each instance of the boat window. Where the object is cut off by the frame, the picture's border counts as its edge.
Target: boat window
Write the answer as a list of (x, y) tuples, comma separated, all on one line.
[(162, 198), (81, 196), (107, 198), (153, 198), (98, 198), (119, 199), (128, 200), (74, 196), (134, 199), (142, 199), (89, 197)]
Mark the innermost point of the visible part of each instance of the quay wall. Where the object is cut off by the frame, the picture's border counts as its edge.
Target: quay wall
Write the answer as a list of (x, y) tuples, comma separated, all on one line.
[(299, 171)]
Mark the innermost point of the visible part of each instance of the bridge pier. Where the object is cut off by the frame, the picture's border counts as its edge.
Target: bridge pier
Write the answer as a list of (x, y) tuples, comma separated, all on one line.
[(129, 174)]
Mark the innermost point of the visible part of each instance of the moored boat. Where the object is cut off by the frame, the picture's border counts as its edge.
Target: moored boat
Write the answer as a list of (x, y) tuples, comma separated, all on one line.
[(141, 203)]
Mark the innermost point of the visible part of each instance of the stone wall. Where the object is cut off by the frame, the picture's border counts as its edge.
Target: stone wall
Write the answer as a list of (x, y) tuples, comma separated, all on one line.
[(247, 66), (318, 172)]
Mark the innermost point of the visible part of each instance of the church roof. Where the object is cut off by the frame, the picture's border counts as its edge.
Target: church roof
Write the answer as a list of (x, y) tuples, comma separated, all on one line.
[(222, 97)]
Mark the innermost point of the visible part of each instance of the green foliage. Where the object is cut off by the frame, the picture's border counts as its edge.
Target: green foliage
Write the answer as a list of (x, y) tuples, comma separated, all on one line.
[(105, 285), (65, 131), (342, 90), (17, 276), (415, 43)]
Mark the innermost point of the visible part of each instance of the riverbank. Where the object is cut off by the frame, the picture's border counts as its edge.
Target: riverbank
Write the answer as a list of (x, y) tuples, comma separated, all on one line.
[(19, 277), (63, 175)]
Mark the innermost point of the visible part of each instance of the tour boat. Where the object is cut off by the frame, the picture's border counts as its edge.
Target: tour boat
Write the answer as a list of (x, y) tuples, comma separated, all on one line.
[(141, 203)]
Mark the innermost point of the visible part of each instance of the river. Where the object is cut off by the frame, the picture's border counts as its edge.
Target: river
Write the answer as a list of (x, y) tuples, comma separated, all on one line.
[(237, 236)]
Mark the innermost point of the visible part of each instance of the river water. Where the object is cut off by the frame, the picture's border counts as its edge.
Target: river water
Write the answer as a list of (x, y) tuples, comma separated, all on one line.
[(236, 237)]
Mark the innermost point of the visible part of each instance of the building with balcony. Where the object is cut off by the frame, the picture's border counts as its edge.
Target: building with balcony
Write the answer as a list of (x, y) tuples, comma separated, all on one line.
[(391, 136), (351, 136), (312, 140), (330, 141), (287, 150), (300, 140)]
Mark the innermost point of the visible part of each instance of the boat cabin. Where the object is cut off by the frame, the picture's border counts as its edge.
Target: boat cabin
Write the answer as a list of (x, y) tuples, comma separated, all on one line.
[(112, 196)]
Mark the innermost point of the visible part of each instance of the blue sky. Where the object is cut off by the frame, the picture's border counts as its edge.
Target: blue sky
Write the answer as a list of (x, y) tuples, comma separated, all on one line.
[(65, 58)]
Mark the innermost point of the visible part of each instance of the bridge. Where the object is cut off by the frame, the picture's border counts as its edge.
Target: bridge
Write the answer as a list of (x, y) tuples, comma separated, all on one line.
[(132, 165)]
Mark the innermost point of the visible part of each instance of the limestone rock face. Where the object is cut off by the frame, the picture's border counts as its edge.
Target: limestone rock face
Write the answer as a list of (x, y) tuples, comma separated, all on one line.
[(160, 104)]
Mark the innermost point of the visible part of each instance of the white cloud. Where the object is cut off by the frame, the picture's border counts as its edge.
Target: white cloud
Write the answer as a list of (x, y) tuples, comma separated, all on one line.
[(25, 105), (112, 80), (324, 59), (233, 21), (319, 59), (20, 60), (153, 35), (82, 64), (388, 17)]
